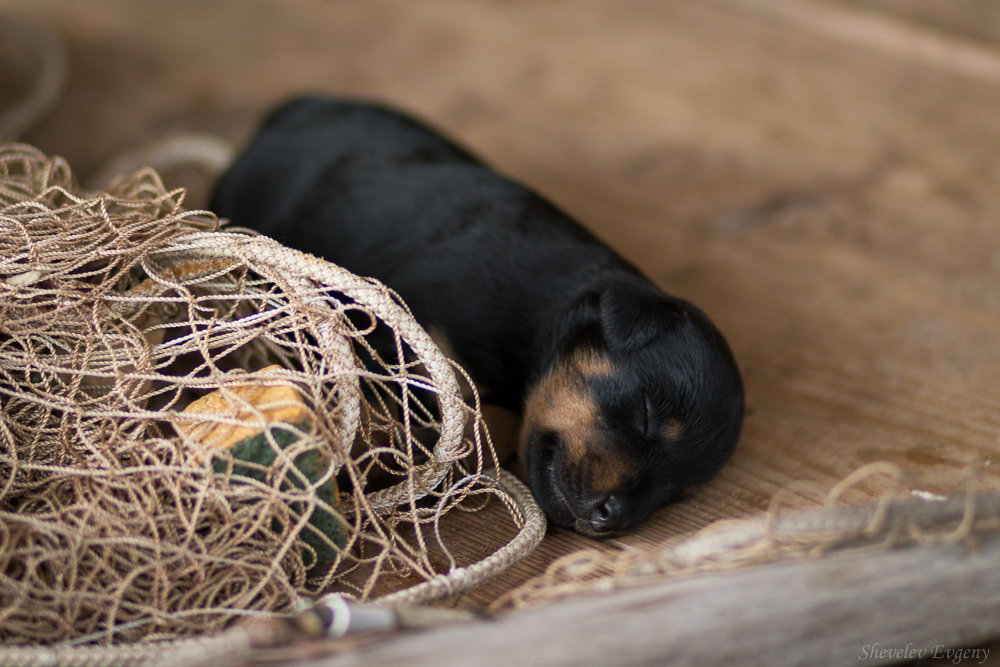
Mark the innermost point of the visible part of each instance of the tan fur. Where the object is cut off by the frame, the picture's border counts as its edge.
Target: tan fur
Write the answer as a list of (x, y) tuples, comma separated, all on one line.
[(593, 364), (673, 429), (607, 474), (561, 402)]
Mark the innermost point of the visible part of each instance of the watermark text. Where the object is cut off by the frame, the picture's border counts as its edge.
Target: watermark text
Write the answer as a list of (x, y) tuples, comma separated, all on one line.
[(876, 651)]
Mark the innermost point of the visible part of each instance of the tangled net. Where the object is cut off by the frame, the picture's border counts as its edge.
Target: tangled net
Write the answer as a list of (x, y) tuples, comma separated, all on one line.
[(197, 424)]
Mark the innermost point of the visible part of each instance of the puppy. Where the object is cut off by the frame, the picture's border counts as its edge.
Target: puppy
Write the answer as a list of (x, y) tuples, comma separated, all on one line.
[(628, 395)]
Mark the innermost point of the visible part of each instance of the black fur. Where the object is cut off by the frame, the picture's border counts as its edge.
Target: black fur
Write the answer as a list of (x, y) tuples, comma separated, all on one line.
[(525, 295)]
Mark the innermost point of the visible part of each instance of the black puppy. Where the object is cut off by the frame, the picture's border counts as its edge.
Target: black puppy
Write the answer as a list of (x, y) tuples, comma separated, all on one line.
[(628, 395)]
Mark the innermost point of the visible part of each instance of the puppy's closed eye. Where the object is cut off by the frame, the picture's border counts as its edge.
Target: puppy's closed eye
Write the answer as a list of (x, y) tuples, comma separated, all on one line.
[(645, 416)]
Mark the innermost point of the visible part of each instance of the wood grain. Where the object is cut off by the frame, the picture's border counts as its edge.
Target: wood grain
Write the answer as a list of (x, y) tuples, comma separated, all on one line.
[(834, 611)]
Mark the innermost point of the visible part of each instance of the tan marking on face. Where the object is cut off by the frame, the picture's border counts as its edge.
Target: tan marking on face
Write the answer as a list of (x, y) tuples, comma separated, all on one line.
[(607, 474), (673, 429), (593, 364), (562, 403)]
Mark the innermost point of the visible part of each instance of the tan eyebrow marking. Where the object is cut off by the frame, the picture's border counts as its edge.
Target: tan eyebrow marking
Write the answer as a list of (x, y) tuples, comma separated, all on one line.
[(673, 429)]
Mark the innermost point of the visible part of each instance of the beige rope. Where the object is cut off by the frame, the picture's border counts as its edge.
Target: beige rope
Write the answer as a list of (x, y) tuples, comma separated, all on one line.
[(462, 579), (896, 519), (118, 310), (209, 153)]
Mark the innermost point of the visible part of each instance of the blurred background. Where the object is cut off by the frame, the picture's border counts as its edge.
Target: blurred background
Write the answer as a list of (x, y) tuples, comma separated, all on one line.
[(822, 177)]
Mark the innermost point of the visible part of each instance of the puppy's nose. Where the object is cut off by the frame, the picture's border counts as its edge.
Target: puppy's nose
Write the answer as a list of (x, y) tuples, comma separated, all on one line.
[(607, 514)]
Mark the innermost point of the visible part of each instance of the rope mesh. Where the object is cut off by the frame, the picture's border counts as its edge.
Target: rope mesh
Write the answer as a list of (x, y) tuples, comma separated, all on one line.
[(198, 424)]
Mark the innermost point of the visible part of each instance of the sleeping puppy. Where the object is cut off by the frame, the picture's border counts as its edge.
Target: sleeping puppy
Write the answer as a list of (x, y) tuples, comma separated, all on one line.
[(628, 395)]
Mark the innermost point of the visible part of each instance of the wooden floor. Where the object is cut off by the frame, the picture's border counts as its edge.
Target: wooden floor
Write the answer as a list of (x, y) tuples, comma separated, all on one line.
[(823, 178)]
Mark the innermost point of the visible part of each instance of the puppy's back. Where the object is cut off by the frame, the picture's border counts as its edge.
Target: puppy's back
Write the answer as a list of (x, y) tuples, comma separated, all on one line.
[(381, 194), (308, 137)]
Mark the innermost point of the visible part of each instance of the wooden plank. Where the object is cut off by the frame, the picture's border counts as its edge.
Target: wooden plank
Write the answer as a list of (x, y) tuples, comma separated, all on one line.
[(886, 33), (860, 609)]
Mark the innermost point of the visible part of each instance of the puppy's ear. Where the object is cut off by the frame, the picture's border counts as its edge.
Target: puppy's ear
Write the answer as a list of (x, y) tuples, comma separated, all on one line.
[(633, 313)]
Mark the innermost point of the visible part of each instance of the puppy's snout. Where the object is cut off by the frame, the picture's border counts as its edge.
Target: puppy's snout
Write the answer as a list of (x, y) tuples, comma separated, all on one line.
[(607, 514)]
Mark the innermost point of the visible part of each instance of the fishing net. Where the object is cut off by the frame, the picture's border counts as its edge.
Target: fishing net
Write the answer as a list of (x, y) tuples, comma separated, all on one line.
[(198, 424)]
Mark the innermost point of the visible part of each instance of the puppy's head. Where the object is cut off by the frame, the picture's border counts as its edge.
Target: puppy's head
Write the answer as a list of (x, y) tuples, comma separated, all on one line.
[(639, 403)]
